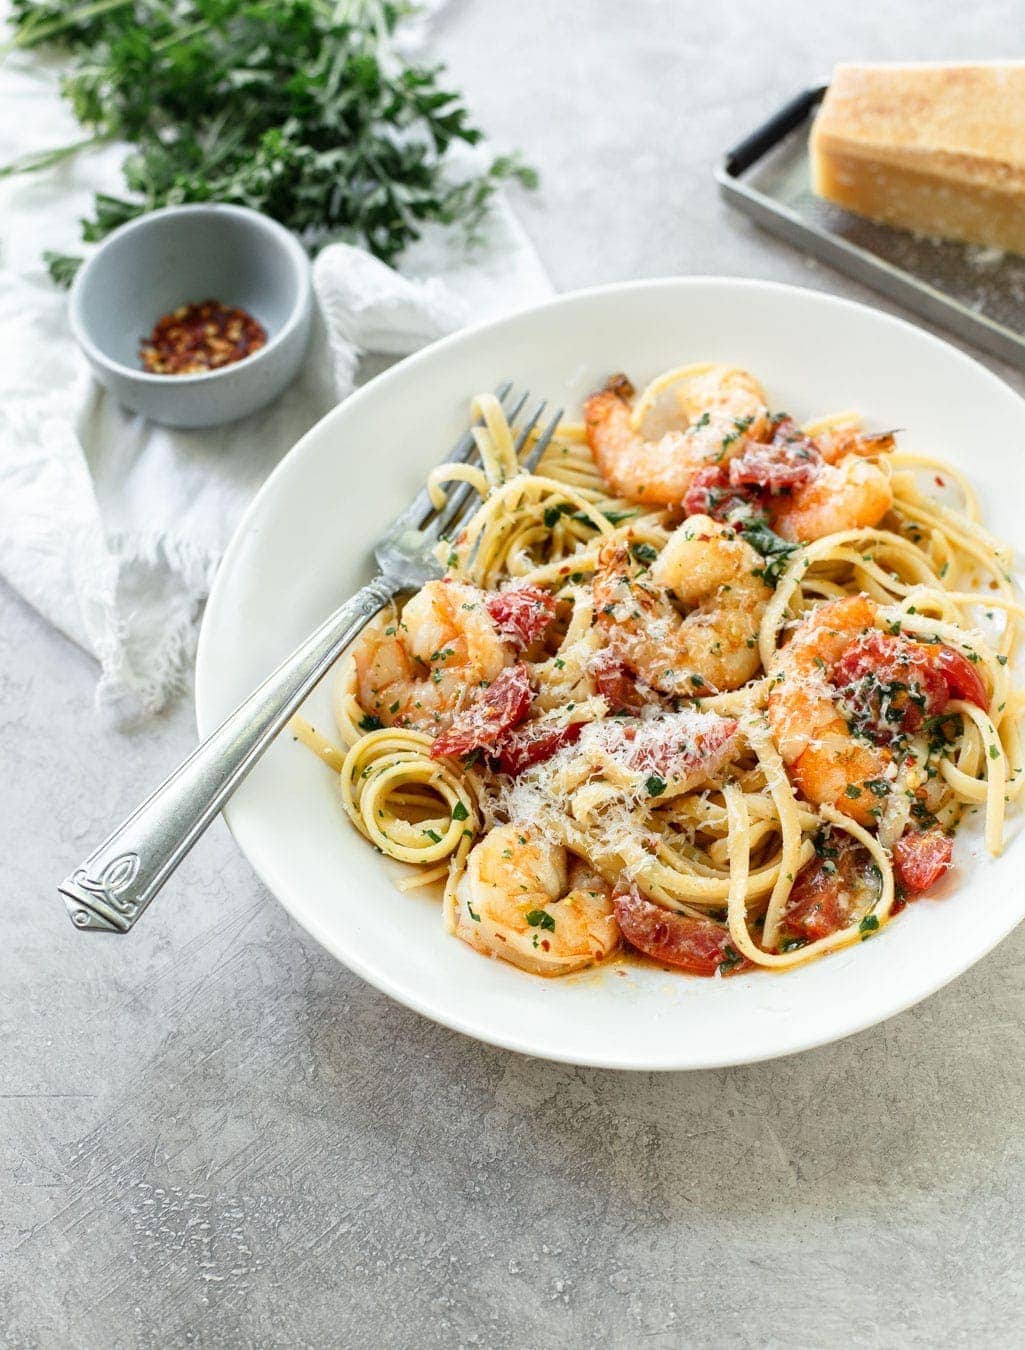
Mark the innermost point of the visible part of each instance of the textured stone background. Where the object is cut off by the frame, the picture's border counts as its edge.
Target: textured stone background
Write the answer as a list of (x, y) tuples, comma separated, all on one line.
[(213, 1135)]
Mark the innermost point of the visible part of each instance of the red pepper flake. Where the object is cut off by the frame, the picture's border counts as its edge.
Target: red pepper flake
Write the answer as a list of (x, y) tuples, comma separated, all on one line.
[(201, 337)]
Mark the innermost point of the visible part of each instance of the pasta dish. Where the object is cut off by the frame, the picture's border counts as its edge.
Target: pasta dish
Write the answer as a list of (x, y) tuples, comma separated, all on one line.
[(706, 684)]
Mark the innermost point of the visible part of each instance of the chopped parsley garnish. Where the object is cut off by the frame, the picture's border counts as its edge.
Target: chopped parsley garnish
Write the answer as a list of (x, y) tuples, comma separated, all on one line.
[(539, 918), (644, 553), (776, 551), (655, 785), (553, 513), (731, 959), (433, 836), (459, 811), (370, 723), (869, 924), (740, 425)]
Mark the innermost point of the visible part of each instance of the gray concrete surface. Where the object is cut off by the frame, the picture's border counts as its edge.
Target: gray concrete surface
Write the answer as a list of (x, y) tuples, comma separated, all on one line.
[(211, 1135)]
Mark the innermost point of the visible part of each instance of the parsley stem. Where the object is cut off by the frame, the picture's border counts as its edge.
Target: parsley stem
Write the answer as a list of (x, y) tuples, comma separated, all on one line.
[(37, 160), (182, 35), (34, 30)]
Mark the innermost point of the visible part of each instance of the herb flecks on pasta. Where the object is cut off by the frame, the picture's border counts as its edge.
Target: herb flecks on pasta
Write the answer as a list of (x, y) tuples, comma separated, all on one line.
[(707, 684)]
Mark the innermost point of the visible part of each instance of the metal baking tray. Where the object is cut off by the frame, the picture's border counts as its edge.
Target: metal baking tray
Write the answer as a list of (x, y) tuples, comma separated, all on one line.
[(977, 293)]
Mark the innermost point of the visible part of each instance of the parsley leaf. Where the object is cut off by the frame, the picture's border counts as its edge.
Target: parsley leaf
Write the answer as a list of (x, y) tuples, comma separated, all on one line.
[(552, 514), (776, 551), (62, 266), (731, 959), (644, 553), (539, 918)]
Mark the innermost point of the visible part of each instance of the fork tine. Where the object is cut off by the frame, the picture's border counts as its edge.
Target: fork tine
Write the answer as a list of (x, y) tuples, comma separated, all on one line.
[(542, 443), (459, 495), (515, 411), (531, 423), (456, 507), (421, 508), (454, 510)]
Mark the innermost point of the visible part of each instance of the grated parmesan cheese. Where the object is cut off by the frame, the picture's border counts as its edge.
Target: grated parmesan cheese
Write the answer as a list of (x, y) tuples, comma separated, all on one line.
[(643, 758)]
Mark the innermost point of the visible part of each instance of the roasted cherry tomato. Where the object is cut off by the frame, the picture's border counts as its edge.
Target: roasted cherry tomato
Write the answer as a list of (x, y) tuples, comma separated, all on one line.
[(962, 678), (698, 946), (711, 494), (890, 685), (503, 704), (522, 613), (533, 744), (921, 857), (787, 461), (615, 683), (836, 885)]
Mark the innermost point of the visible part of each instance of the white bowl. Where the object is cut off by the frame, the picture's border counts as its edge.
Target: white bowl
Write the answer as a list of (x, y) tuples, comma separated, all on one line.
[(305, 544)]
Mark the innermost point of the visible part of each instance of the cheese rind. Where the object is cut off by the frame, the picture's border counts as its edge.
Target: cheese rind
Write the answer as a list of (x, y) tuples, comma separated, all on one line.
[(935, 149)]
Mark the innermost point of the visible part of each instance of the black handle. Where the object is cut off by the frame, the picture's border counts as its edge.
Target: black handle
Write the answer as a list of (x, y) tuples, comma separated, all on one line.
[(791, 115)]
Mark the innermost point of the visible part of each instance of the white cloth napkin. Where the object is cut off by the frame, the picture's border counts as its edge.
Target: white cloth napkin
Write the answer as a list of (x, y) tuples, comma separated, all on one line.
[(111, 526)]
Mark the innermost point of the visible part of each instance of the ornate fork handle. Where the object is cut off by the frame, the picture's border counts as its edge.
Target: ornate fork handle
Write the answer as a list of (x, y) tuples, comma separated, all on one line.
[(117, 881)]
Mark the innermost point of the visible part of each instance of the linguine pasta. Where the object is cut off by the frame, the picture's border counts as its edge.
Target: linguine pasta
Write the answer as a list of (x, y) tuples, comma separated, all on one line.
[(750, 776)]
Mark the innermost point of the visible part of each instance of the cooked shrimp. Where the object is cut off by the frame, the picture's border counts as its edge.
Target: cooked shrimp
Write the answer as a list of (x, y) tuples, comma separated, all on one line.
[(703, 565), (718, 407), (531, 902), (807, 487), (845, 699), (418, 670), (837, 445), (854, 494), (823, 758)]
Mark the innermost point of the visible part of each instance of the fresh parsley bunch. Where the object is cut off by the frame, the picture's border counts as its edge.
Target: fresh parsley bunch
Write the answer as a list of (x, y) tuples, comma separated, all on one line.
[(298, 108)]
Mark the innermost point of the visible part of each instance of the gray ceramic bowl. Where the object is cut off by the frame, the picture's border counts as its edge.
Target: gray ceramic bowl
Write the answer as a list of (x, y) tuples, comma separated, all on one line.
[(173, 257)]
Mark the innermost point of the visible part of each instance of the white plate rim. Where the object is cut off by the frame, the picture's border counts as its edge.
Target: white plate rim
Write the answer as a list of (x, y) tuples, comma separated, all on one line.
[(207, 718)]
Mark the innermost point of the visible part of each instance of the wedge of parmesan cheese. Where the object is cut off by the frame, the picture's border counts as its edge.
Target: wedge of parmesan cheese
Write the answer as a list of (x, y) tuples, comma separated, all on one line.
[(938, 149)]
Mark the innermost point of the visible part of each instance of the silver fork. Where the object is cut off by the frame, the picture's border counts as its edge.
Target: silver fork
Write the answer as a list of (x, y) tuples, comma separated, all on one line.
[(110, 890)]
